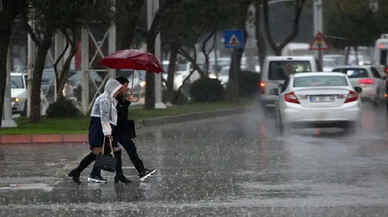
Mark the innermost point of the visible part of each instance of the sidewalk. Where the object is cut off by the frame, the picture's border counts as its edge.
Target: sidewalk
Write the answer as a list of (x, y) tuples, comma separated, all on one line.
[(83, 138)]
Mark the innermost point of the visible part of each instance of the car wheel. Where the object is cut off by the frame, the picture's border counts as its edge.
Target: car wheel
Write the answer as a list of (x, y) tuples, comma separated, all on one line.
[(352, 128), (376, 100)]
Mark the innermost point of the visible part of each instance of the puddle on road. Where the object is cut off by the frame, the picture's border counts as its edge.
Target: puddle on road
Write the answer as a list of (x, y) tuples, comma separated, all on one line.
[(34, 186)]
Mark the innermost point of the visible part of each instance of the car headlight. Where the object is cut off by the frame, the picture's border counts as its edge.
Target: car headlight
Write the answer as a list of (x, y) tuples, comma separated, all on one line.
[(142, 84), (16, 99)]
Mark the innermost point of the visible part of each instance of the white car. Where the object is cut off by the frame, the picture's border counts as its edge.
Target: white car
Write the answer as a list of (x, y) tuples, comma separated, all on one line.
[(277, 69), (222, 75), (317, 99), (182, 70), (328, 64), (368, 78), (18, 92)]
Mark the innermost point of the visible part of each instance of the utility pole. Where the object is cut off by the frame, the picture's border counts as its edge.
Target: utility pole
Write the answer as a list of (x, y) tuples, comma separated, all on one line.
[(112, 40), (152, 8), (31, 54), (7, 120), (318, 25)]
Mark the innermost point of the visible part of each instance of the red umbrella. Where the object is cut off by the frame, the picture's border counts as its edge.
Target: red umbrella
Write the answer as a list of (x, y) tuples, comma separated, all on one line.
[(132, 59)]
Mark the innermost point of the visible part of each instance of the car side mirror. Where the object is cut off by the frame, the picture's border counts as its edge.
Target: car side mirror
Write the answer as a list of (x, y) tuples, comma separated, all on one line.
[(275, 91), (358, 89)]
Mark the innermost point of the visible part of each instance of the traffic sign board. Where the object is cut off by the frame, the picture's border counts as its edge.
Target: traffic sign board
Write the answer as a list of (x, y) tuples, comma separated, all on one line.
[(234, 39), (319, 42)]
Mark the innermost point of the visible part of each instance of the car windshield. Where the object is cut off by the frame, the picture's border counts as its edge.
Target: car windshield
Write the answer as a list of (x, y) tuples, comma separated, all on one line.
[(224, 71), (181, 67), (329, 62), (281, 70), (353, 73), (17, 81), (320, 81)]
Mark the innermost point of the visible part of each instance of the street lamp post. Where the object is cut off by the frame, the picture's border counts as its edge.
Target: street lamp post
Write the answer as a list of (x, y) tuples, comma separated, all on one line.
[(152, 8), (6, 120), (318, 26)]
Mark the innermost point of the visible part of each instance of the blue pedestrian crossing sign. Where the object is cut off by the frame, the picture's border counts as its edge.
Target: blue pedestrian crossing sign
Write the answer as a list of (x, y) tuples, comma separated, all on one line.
[(234, 39)]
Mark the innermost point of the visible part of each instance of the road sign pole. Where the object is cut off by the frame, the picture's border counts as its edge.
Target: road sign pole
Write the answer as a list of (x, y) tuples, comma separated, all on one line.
[(320, 57)]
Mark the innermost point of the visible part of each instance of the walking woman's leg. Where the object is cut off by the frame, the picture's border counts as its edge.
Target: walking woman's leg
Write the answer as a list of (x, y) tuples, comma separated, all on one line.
[(95, 175), (119, 169), (85, 162), (130, 148)]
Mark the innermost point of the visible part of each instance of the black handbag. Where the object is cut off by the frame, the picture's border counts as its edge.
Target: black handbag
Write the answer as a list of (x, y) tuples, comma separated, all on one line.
[(106, 161), (131, 129)]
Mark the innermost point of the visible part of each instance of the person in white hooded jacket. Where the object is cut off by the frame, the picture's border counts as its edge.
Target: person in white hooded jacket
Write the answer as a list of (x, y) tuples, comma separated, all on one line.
[(102, 127)]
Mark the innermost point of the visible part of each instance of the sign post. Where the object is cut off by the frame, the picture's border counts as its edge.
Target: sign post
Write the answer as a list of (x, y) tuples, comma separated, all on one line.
[(319, 43)]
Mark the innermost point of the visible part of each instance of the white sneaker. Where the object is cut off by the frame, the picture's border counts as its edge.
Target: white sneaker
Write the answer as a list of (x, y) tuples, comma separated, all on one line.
[(147, 173), (96, 179)]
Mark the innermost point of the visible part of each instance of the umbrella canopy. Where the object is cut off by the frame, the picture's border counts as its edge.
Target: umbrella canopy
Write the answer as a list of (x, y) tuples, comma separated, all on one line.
[(132, 59)]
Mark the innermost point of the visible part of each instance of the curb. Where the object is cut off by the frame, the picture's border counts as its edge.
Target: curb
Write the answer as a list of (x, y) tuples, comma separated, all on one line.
[(42, 139), (83, 138)]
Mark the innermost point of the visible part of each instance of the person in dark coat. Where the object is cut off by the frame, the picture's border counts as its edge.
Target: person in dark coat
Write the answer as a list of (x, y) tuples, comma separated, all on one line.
[(126, 132)]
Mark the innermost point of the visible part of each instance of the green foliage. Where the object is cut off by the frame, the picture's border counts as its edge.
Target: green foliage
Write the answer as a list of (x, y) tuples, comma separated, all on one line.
[(64, 14), (192, 19), (248, 83), (207, 90), (354, 21), (62, 108)]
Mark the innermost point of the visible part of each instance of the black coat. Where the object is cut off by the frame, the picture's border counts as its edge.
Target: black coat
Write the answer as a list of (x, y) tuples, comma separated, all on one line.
[(125, 127)]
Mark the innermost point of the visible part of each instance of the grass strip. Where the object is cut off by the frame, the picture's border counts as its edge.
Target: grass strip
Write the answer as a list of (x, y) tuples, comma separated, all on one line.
[(79, 125)]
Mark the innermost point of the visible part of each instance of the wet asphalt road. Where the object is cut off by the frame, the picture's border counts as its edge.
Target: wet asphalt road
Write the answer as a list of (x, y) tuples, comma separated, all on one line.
[(225, 166)]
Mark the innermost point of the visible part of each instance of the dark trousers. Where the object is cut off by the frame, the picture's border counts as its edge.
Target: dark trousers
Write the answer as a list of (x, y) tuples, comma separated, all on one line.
[(130, 148)]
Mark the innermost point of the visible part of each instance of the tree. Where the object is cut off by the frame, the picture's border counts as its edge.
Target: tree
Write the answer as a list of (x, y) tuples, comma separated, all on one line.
[(128, 21), (9, 10), (277, 47), (62, 73), (260, 40), (152, 32), (181, 29), (353, 21), (195, 22), (49, 17), (232, 90)]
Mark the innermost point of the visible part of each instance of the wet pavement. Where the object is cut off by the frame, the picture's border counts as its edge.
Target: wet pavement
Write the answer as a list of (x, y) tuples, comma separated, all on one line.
[(225, 166)]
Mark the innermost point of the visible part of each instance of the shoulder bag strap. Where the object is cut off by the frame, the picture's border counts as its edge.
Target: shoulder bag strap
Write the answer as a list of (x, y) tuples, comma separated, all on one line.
[(111, 146), (103, 146)]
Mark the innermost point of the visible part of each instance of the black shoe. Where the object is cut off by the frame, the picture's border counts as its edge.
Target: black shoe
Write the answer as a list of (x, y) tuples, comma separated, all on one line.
[(75, 175), (96, 179), (122, 179), (146, 173)]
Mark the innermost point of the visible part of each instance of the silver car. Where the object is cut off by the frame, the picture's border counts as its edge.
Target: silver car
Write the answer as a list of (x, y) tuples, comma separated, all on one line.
[(317, 99), (368, 78)]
